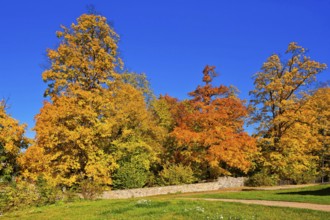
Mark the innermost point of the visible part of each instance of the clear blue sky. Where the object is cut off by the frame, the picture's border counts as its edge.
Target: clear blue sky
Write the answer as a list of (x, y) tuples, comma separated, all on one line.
[(169, 40)]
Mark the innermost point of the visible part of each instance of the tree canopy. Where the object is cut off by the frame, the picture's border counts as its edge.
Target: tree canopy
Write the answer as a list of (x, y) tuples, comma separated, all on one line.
[(279, 99), (12, 141), (102, 125), (209, 129), (87, 56)]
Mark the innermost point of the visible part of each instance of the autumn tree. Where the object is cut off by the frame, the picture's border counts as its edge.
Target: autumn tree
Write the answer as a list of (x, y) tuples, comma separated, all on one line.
[(96, 117), (305, 144), (278, 99), (87, 56), (209, 132), (12, 141), (318, 113), (66, 132)]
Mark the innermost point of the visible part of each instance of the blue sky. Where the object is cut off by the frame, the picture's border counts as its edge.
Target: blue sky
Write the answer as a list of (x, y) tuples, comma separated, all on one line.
[(169, 40)]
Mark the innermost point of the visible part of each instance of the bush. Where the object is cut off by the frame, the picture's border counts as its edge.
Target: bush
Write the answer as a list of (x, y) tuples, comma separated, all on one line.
[(47, 194), (22, 194), (176, 174), (262, 178), (308, 176), (133, 173), (18, 195), (70, 195), (90, 190)]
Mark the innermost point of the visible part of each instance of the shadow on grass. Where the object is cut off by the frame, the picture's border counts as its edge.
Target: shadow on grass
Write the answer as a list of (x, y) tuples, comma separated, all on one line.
[(320, 192), (251, 189)]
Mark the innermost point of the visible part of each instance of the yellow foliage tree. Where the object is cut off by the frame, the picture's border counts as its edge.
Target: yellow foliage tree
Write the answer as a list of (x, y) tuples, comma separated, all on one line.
[(318, 112), (96, 117), (306, 143), (87, 56), (85, 134), (12, 141), (279, 101), (68, 131)]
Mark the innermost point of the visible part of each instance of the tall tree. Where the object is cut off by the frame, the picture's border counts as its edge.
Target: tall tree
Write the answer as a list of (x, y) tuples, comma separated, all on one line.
[(278, 98), (87, 56), (12, 141), (88, 135), (209, 129), (96, 117), (318, 113)]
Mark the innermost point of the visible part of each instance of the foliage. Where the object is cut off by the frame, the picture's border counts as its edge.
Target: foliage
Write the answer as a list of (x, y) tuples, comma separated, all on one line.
[(162, 113), (133, 172), (87, 56), (18, 195), (87, 135), (96, 117), (12, 141), (47, 194), (103, 126), (176, 174), (278, 98), (69, 134), (209, 129), (141, 83), (90, 190), (309, 176), (70, 195), (318, 112), (21, 194), (262, 178), (277, 89)]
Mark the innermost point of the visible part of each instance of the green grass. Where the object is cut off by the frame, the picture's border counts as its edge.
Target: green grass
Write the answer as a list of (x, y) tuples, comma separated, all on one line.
[(153, 208), (319, 194), (176, 206)]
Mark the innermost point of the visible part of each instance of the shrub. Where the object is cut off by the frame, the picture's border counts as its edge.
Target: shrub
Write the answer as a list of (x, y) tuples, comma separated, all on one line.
[(70, 195), (22, 194), (262, 178), (18, 195), (176, 174), (133, 173), (308, 176), (90, 190), (47, 193)]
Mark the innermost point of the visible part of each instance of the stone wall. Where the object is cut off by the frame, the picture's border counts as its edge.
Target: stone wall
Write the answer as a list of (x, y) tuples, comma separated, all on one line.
[(222, 182)]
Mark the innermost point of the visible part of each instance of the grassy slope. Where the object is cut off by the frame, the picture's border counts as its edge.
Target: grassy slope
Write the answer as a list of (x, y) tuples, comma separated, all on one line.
[(173, 207), (319, 194)]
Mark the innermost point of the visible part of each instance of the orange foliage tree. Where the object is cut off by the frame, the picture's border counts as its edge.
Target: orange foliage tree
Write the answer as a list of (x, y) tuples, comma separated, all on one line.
[(208, 132)]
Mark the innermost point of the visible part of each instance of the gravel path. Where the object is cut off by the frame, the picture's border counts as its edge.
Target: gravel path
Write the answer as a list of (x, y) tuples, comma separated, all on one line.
[(312, 206)]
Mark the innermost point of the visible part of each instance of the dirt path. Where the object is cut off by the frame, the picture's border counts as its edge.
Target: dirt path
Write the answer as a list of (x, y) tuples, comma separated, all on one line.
[(312, 206), (278, 187)]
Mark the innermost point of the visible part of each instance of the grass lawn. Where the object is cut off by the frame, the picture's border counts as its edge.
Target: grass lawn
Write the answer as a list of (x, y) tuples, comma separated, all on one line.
[(175, 207), (154, 208), (319, 194)]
